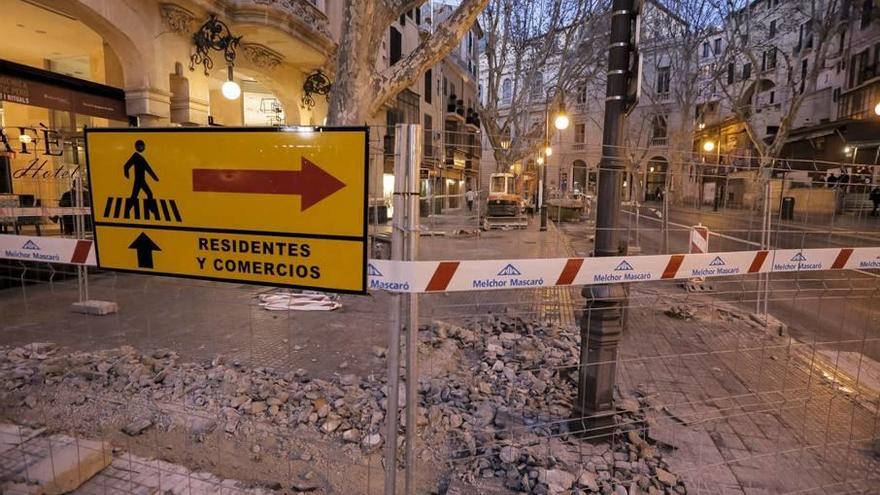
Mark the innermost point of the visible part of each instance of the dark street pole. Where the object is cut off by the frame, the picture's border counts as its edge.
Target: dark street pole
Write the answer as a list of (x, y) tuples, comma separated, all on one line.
[(543, 170), (593, 414), (544, 195)]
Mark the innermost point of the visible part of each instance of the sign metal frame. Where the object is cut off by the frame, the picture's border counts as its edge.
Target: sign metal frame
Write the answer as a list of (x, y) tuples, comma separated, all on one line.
[(363, 239)]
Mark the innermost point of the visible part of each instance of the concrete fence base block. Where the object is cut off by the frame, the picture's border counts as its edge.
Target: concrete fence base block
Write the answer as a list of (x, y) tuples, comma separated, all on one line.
[(52, 465), (92, 307), (770, 323)]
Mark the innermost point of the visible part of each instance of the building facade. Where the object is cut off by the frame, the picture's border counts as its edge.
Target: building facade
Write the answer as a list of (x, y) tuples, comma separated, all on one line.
[(833, 119), (444, 102), (686, 137), (68, 64), (656, 117)]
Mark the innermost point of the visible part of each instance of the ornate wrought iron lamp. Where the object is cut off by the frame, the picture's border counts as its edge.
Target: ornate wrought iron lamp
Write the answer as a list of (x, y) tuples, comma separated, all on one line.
[(316, 84), (215, 35)]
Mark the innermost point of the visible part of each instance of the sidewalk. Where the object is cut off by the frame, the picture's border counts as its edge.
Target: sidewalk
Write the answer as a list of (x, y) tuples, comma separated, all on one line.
[(746, 412), (34, 461), (841, 222)]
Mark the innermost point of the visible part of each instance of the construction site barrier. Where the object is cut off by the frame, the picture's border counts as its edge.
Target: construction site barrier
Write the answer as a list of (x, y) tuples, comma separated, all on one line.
[(469, 275)]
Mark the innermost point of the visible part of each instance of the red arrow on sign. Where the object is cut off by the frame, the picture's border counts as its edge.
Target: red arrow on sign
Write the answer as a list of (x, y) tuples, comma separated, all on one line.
[(312, 183)]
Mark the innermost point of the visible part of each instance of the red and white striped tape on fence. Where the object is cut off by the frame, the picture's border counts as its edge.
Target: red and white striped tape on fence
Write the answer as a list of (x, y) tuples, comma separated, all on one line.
[(452, 276), (699, 239), (47, 249), (43, 211), (469, 275)]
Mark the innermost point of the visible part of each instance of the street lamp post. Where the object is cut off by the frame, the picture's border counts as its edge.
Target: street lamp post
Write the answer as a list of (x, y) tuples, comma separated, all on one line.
[(601, 324), (708, 147), (560, 122)]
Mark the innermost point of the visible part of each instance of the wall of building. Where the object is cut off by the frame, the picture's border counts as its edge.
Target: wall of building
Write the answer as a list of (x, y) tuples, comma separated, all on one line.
[(144, 46)]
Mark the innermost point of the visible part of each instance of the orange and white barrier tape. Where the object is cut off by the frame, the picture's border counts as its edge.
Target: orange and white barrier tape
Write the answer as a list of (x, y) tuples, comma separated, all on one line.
[(452, 276), (470, 275)]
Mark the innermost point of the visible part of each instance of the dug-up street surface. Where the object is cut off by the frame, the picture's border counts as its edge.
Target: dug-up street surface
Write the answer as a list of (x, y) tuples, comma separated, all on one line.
[(195, 375), (492, 411)]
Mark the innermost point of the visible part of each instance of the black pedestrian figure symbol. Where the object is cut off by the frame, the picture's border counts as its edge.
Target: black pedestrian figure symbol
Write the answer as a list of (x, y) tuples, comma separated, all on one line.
[(141, 169)]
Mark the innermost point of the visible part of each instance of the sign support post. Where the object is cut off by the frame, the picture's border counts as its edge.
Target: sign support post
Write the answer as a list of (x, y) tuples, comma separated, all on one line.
[(82, 277), (404, 246), (393, 359), (85, 304), (411, 147)]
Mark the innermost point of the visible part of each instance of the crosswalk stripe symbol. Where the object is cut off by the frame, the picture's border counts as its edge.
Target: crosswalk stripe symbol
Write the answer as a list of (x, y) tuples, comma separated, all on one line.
[(142, 209)]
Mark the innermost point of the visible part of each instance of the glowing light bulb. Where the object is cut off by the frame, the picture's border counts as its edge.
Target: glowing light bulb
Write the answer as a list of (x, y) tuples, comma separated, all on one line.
[(561, 122), (231, 90)]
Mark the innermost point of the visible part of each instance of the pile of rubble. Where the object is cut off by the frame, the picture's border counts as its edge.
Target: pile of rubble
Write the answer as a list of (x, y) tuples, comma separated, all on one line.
[(508, 415), (494, 398)]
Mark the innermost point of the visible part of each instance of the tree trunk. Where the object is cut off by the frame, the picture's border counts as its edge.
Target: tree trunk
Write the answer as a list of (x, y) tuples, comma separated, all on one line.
[(359, 90), (349, 99), (501, 164)]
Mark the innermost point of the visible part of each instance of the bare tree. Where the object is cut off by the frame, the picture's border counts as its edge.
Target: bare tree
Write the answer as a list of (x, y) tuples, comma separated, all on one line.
[(671, 35), (534, 49), (360, 89), (762, 39), (676, 44)]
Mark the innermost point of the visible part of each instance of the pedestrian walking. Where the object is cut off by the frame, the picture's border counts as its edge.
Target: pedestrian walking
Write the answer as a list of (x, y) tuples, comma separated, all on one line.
[(69, 199), (843, 180), (470, 196), (875, 198), (831, 180)]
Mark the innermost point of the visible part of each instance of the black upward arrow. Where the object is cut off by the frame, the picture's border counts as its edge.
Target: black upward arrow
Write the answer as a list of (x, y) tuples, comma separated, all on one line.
[(145, 247)]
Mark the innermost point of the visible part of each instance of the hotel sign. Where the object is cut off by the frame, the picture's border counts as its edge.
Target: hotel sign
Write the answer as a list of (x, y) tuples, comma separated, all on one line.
[(20, 84)]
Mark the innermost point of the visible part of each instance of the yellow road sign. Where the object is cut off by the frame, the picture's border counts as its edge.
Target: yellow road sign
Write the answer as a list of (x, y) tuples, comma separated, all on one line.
[(159, 194)]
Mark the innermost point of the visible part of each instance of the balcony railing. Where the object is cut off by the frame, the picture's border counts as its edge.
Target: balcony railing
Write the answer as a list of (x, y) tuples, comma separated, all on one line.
[(455, 108), (659, 141), (859, 102), (303, 11)]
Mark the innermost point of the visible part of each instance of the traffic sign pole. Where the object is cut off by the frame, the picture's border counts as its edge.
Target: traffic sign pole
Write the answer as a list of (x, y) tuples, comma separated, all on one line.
[(404, 246), (411, 151)]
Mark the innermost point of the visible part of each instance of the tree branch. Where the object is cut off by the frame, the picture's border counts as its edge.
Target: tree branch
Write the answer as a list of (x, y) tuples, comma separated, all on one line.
[(448, 34)]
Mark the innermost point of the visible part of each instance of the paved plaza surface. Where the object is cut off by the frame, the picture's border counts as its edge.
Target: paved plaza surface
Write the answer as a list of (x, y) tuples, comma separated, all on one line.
[(735, 409)]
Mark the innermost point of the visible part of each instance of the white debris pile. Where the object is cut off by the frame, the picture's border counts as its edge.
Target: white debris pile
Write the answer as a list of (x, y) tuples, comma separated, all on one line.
[(296, 300)]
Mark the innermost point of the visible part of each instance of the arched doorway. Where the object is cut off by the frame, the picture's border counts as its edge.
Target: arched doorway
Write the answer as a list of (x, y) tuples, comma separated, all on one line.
[(655, 178), (67, 73), (579, 177)]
